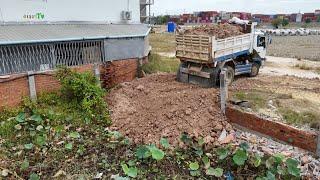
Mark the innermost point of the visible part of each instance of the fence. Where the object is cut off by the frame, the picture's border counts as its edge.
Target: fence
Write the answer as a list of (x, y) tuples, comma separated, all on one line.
[(39, 57)]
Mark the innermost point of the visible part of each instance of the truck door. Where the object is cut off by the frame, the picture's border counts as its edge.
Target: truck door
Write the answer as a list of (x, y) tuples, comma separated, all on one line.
[(261, 46)]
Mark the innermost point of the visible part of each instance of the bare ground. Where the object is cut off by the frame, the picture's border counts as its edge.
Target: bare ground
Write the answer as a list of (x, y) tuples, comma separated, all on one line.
[(157, 106)]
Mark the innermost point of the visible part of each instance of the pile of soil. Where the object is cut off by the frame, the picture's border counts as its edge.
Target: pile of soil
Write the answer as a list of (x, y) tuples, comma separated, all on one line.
[(219, 31), (157, 106)]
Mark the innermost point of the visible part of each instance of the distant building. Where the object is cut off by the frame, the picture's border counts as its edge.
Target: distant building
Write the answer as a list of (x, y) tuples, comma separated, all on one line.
[(299, 18), (310, 16)]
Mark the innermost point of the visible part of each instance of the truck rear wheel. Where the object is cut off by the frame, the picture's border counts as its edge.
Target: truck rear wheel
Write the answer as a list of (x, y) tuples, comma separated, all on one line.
[(255, 70), (230, 74)]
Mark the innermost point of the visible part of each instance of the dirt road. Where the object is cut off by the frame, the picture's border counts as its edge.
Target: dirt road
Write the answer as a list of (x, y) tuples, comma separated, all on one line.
[(278, 66)]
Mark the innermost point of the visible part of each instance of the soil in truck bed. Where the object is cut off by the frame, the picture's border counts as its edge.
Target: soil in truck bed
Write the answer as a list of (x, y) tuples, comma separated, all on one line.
[(219, 31), (157, 106)]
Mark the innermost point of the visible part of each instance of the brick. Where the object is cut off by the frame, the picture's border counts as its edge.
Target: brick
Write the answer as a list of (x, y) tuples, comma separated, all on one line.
[(14, 89), (303, 139)]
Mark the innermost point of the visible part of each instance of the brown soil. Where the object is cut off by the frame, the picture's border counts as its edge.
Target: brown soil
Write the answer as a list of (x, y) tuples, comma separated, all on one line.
[(219, 31), (157, 106)]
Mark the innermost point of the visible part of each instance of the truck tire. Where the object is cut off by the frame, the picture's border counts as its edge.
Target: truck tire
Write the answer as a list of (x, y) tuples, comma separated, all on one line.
[(230, 74), (255, 70)]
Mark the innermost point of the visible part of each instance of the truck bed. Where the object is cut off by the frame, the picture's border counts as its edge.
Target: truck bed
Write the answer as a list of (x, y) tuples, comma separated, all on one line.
[(207, 49)]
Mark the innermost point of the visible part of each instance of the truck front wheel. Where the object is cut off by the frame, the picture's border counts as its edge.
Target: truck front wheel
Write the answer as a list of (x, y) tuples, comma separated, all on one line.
[(255, 70)]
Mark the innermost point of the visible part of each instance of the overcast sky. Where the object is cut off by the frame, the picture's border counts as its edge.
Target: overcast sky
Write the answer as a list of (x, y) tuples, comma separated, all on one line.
[(162, 7)]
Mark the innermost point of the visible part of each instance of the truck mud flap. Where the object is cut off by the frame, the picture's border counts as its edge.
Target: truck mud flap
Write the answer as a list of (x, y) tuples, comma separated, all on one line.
[(203, 78)]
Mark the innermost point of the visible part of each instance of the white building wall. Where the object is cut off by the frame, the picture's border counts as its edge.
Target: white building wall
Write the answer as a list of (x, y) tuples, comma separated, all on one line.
[(68, 10)]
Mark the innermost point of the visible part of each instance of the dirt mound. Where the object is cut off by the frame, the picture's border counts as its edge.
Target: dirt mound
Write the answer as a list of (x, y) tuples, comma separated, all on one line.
[(157, 106), (220, 31)]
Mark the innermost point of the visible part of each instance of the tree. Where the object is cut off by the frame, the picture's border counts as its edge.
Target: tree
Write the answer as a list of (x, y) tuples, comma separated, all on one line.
[(285, 22), (276, 22), (318, 20), (162, 19), (308, 20)]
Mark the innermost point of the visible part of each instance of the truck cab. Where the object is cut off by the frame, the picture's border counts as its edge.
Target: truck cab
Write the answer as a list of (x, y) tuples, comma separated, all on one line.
[(260, 45)]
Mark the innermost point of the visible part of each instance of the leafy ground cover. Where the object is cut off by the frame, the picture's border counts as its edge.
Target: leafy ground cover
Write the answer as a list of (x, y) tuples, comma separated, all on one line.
[(65, 135)]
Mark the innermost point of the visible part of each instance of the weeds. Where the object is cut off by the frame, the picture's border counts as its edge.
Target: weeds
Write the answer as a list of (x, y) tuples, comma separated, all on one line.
[(163, 42), (294, 117), (44, 139), (159, 63)]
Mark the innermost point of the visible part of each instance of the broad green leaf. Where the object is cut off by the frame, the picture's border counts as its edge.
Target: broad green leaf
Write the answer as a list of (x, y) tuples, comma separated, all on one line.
[(34, 176), (270, 176), (256, 160), (244, 146), (41, 140), (24, 165), (81, 149), (279, 158), (281, 170), (194, 166), (131, 172), (185, 138), (292, 166), (217, 172), (240, 157), (69, 146), (270, 162), (74, 135), (131, 163), (201, 142), (18, 127), (39, 128), (195, 173), (116, 134), (33, 133), (206, 162), (164, 143), (28, 146), (156, 153), (36, 118), (21, 117), (198, 151), (222, 153), (143, 152), (117, 177)]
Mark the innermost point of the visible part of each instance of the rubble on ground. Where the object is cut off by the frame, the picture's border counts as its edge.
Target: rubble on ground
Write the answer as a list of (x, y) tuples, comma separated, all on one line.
[(219, 31), (157, 106), (310, 166)]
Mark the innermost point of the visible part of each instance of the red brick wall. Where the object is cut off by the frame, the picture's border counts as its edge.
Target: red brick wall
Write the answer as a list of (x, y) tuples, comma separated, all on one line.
[(303, 139), (16, 87), (12, 90)]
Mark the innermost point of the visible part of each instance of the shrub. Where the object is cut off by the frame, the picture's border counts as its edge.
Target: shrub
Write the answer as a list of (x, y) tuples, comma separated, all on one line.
[(82, 88)]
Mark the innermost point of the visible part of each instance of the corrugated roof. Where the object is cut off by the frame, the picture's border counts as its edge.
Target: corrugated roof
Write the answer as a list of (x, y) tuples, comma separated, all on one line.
[(36, 33)]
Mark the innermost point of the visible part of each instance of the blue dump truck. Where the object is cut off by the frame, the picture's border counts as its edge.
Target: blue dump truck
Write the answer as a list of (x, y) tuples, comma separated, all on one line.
[(203, 57)]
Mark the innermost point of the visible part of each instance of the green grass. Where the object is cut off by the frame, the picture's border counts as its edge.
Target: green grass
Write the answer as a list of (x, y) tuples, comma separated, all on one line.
[(163, 42), (159, 63), (258, 99), (293, 117)]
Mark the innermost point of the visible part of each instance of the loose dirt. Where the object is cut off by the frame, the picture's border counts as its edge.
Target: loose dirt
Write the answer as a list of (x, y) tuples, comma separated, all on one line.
[(219, 31), (157, 106)]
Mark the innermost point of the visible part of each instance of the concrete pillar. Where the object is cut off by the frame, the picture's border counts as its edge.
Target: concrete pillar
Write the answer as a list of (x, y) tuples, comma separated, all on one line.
[(96, 72), (318, 144), (223, 91), (32, 86)]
